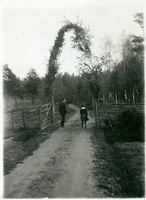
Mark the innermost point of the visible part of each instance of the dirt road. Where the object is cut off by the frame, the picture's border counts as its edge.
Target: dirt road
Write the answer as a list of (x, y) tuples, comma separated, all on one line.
[(60, 168)]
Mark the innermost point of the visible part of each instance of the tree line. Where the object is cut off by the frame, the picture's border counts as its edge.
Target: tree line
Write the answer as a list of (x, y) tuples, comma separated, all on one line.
[(121, 80), (33, 87)]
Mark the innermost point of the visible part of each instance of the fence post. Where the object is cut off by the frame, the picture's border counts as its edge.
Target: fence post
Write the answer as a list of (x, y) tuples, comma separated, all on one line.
[(95, 111), (23, 120), (12, 117), (93, 104), (98, 114), (40, 117)]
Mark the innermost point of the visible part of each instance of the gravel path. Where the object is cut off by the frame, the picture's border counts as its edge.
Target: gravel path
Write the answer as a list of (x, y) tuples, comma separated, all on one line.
[(61, 167)]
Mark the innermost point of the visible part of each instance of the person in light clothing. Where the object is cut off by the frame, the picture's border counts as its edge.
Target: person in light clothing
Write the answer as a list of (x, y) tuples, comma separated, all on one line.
[(84, 116)]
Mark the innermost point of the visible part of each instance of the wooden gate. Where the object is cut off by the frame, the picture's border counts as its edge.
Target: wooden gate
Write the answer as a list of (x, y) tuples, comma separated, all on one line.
[(39, 117), (45, 115)]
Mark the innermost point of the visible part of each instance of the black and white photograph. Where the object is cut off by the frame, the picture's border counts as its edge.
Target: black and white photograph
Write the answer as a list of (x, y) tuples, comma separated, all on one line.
[(72, 99)]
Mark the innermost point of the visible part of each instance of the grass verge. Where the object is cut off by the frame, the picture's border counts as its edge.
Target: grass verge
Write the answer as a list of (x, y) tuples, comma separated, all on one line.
[(129, 157), (104, 170), (119, 167), (16, 150)]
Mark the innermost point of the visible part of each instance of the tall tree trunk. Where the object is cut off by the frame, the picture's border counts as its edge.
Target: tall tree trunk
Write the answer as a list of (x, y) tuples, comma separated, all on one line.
[(32, 99), (104, 99), (95, 111), (53, 110), (16, 102), (6, 101), (116, 98), (133, 96), (125, 96)]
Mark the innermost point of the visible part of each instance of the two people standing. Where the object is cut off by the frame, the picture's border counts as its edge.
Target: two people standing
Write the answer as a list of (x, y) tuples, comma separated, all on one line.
[(83, 113)]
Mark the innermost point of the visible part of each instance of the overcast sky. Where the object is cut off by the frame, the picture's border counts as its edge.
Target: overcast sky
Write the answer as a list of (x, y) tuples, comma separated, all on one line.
[(29, 29)]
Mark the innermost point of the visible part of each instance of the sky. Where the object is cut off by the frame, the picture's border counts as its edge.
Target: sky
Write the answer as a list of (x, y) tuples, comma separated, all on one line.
[(30, 27)]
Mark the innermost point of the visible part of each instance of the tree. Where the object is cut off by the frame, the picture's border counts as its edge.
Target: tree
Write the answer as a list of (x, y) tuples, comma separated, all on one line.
[(108, 49), (41, 91), (31, 84), (133, 63), (59, 91), (139, 18), (107, 60), (12, 85), (90, 68), (81, 41), (117, 83), (138, 49)]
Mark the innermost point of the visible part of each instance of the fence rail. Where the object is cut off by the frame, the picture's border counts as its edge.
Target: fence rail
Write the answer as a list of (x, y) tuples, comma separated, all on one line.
[(109, 111)]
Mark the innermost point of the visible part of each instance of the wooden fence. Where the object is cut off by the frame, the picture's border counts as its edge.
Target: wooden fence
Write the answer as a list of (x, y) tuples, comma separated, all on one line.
[(109, 111), (41, 117)]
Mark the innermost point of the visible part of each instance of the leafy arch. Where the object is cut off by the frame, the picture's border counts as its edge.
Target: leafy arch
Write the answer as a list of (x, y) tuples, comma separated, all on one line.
[(81, 41)]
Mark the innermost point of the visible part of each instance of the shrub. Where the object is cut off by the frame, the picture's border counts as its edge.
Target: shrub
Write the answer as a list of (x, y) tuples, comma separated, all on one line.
[(127, 126)]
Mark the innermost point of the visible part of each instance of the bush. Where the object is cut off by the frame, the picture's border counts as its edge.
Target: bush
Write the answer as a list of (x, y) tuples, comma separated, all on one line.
[(127, 126)]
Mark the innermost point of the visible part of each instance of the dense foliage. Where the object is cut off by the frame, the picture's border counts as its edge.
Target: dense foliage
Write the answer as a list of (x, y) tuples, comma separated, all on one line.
[(31, 84), (126, 127), (73, 88), (12, 85)]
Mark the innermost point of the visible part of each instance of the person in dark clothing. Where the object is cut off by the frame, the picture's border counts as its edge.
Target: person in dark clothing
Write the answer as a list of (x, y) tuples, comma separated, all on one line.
[(62, 111), (84, 115)]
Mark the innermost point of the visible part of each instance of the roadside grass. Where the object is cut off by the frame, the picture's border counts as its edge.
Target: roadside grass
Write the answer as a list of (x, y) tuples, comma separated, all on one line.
[(119, 167), (21, 143), (104, 170), (16, 150), (127, 137), (129, 157)]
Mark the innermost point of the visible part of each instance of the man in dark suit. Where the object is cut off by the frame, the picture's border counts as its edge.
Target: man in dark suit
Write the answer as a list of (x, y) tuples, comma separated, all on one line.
[(62, 111)]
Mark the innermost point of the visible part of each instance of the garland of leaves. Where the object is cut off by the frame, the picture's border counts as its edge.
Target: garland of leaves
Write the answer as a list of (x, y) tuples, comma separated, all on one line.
[(81, 41)]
